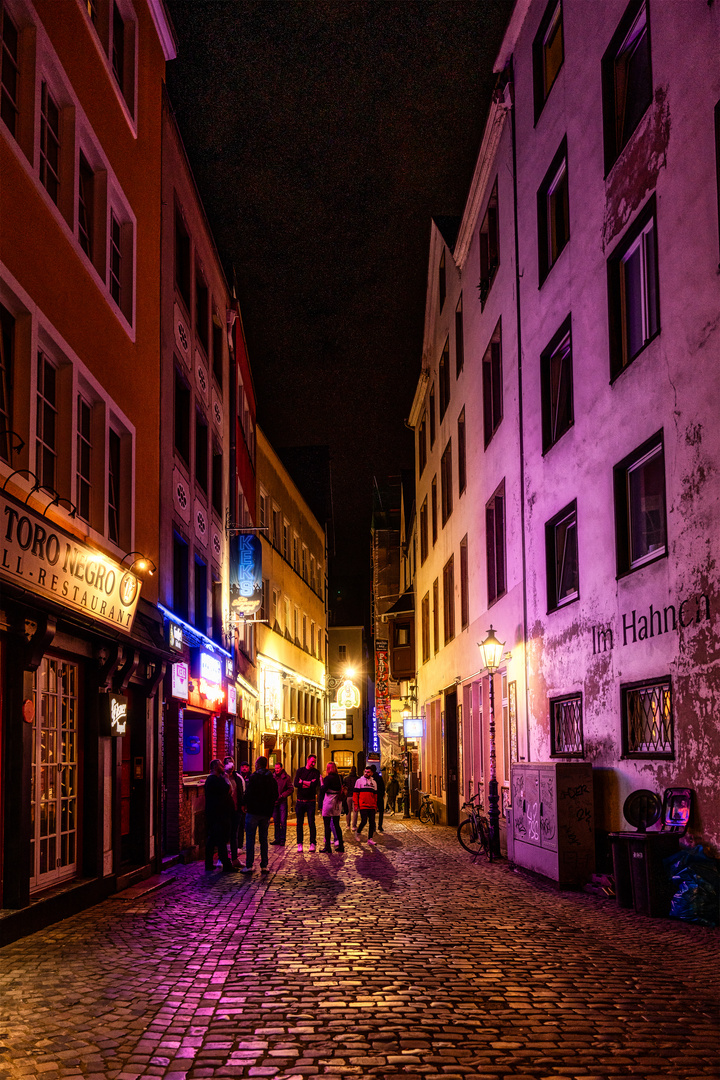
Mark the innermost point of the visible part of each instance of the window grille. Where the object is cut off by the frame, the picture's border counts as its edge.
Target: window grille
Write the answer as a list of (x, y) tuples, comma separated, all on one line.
[(648, 720), (566, 727)]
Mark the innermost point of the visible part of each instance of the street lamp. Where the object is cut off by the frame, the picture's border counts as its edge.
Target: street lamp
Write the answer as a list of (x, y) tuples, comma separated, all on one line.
[(491, 651)]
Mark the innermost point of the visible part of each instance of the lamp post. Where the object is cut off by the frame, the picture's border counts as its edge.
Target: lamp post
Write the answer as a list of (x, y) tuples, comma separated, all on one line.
[(491, 651), (407, 714)]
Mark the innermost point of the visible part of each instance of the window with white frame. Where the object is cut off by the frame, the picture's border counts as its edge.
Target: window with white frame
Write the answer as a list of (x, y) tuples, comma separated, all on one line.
[(553, 211), (633, 291), (263, 511), (83, 459), (49, 142), (627, 83), (640, 516), (121, 268), (9, 71), (561, 548), (46, 424)]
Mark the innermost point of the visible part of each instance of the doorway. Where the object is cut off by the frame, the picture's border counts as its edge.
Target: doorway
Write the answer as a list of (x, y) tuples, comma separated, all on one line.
[(451, 756)]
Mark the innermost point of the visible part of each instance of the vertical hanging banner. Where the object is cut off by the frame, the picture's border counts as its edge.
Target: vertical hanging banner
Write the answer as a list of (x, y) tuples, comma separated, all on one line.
[(245, 574), (382, 690)]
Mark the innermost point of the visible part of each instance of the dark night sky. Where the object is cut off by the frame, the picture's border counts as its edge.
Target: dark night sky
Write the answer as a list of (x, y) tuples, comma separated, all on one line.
[(323, 137)]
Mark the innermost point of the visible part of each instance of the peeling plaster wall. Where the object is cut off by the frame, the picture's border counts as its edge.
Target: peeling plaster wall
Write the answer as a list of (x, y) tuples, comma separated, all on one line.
[(673, 385)]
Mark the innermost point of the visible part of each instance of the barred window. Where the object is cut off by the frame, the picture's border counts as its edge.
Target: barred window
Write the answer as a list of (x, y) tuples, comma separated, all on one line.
[(647, 715), (566, 727)]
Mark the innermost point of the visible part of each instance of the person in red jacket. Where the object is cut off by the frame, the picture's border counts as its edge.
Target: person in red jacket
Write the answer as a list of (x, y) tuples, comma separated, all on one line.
[(366, 801), (285, 790)]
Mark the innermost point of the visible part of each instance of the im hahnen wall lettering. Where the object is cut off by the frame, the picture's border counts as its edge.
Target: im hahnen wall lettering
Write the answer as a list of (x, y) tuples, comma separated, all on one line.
[(639, 626)]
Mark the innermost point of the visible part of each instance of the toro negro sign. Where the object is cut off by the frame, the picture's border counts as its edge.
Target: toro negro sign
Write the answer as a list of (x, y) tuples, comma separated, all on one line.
[(48, 562)]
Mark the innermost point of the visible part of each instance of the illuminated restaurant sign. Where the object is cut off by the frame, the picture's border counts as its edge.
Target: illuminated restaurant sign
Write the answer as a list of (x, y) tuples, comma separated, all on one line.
[(179, 681), (348, 695), (48, 562), (204, 665), (337, 712), (232, 700), (245, 574), (338, 727), (115, 711)]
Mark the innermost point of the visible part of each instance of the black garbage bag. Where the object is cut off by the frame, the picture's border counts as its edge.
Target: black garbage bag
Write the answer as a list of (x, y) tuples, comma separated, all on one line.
[(696, 880)]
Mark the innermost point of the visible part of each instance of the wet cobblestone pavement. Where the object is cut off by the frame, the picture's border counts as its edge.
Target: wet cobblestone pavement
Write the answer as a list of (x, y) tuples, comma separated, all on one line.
[(398, 961)]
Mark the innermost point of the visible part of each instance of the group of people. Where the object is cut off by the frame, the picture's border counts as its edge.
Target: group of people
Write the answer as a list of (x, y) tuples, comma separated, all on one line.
[(239, 806)]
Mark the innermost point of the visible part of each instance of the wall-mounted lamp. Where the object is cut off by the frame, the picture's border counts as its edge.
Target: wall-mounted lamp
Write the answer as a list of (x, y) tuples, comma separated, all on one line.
[(141, 565)]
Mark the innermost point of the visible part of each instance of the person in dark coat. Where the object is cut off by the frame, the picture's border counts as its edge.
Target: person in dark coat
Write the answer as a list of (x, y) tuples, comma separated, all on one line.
[(218, 814), (237, 787), (307, 782), (261, 792), (285, 790)]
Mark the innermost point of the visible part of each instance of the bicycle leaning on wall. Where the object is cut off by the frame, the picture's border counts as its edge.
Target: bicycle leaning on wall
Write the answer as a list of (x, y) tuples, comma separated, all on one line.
[(474, 832)]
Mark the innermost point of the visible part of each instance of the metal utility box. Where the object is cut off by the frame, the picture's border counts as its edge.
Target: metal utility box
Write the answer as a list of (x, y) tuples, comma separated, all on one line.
[(553, 829)]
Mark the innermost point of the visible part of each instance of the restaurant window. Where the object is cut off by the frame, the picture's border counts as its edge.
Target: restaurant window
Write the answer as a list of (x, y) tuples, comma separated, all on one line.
[(495, 544), (436, 615), (431, 410), (556, 381), (640, 518), (459, 339), (86, 192), (492, 386), (114, 485), (444, 379), (46, 424), (434, 510), (553, 212), (9, 71), (548, 54), (7, 354), (83, 477), (627, 86), (449, 599), (49, 143), (200, 581), (446, 494), (462, 471), (561, 553), (201, 451), (489, 247), (442, 283), (180, 577), (425, 624), (182, 417), (647, 720), (464, 584), (633, 291), (217, 480), (566, 727), (202, 309), (182, 258)]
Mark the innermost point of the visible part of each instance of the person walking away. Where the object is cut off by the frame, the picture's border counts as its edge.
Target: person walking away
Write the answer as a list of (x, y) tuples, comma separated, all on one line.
[(307, 782), (218, 811), (280, 813), (245, 773), (366, 798), (237, 788), (380, 784), (261, 792), (350, 781), (393, 790), (331, 801)]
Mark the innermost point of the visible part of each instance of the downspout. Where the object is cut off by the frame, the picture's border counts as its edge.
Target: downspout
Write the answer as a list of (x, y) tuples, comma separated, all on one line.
[(511, 81)]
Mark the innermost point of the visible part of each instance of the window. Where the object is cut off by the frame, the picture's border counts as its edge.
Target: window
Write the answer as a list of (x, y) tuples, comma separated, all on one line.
[(296, 626), (182, 258), (277, 528), (217, 480), (449, 599), (201, 452), (275, 613), (9, 72), (304, 563), (202, 309), (647, 720), (217, 612), (442, 285), (633, 293), (118, 49), (422, 445), (182, 417), (566, 727), (296, 552), (640, 523), (263, 510), (464, 593), (180, 576), (424, 531), (114, 490), (462, 471), (49, 143), (548, 54), (495, 542), (122, 55), (83, 481), (46, 424), (304, 631), (217, 349), (7, 353), (312, 581), (444, 379), (86, 180), (459, 339), (401, 634), (627, 85), (431, 407), (561, 553), (286, 541), (312, 638), (446, 482), (201, 594), (492, 386), (342, 653), (436, 616), (425, 623), (553, 210), (115, 260), (288, 628), (120, 263), (433, 499), (556, 381), (489, 247)]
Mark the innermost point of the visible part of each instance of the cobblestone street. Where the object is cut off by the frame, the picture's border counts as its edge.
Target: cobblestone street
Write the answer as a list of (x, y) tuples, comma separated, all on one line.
[(403, 960)]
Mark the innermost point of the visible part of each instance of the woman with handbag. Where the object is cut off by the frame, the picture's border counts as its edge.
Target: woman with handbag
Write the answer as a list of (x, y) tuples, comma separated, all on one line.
[(331, 799)]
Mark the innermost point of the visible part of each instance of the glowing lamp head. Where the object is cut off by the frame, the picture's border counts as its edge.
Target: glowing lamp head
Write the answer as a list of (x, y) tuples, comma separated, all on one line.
[(491, 651), (349, 672)]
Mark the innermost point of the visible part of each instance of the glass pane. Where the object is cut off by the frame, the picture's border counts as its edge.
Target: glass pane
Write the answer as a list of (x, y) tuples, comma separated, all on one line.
[(633, 302), (43, 856), (646, 484), (553, 49)]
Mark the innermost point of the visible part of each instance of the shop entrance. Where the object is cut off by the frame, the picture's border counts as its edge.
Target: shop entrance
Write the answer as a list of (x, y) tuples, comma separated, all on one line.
[(131, 751), (54, 791), (451, 756)]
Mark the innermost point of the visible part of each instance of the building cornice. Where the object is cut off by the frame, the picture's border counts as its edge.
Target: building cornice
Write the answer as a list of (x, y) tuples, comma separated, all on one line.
[(419, 399), (507, 48), (164, 27)]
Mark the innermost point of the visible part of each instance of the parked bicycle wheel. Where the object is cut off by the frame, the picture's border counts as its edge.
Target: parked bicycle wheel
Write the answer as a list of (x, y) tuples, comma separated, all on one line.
[(427, 814), (474, 837)]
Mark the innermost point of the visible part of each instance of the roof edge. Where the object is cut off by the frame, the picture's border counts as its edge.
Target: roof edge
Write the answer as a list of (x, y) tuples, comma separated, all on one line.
[(164, 27), (509, 41)]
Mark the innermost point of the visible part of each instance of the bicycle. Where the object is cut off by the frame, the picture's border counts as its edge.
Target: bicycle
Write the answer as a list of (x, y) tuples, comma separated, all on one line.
[(426, 812), (475, 833)]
